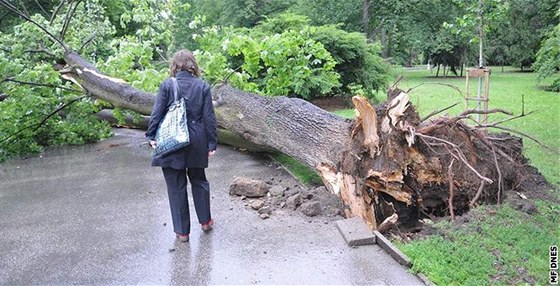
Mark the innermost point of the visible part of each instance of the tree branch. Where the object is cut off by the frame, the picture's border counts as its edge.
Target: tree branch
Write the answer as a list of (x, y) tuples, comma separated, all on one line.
[(41, 7), (437, 111), (38, 125), (91, 37), (55, 13), (16, 11), (451, 188), (67, 19), (496, 110), (24, 8), (11, 79)]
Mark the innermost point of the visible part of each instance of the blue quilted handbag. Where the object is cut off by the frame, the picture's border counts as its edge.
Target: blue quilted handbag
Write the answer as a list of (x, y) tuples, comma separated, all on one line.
[(173, 133)]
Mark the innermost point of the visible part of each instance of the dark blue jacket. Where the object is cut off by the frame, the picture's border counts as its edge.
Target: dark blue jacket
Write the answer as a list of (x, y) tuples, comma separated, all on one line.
[(201, 121)]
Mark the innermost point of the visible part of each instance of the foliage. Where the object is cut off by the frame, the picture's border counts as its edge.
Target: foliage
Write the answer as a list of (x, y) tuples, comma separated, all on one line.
[(357, 61), (288, 63), (284, 55), (498, 246), (548, 59), (139, 58), (8, 19), (131, 57), (239, 13), (346, 14), (27, 105), (224, 13)]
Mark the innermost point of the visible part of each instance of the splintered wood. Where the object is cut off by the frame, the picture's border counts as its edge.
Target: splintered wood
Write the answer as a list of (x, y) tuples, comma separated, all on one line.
[(366, 120)]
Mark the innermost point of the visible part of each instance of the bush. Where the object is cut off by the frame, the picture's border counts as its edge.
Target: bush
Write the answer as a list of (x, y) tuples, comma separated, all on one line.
[(284, 55), (357, 62), (290, 63)]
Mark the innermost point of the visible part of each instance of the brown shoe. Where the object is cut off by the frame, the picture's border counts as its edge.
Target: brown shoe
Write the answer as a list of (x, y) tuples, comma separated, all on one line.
[(208, 226), (183, 237)]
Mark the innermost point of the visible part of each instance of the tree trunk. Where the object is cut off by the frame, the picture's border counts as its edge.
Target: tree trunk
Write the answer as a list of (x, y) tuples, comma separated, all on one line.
[(386, 162), (365, 17), (383, 41)]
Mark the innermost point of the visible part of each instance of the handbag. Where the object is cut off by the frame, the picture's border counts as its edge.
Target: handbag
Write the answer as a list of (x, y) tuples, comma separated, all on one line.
[(173, 132)]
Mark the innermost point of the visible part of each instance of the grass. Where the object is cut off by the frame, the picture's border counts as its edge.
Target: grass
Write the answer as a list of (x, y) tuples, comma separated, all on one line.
[(499, 245), (298, 170)]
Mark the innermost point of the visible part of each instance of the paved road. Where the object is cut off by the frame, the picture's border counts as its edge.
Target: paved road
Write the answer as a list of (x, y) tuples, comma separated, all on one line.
[(98, 214)]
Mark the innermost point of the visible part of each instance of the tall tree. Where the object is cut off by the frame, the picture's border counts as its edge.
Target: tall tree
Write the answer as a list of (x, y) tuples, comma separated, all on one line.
[(530, 21), (346, 14)]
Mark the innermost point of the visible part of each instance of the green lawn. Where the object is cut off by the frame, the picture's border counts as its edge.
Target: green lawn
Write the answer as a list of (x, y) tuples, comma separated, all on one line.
[(498, 245)]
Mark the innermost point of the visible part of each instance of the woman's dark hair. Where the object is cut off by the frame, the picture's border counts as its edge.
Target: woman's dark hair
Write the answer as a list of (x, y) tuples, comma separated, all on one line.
[(184, 60)]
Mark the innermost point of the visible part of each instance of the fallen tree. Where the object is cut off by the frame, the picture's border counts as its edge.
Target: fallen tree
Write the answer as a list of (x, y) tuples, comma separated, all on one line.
[(386, 163)]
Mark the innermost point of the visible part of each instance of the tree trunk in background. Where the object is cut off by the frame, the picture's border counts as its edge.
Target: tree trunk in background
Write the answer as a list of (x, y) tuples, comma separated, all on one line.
[(365, 17), (384, 164), (383, 40)]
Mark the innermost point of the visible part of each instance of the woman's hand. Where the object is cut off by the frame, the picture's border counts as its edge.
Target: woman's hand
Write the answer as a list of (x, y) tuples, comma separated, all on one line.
[(153, 144)]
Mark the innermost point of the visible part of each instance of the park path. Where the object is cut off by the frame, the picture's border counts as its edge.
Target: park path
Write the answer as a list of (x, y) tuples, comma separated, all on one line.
[(98, 214)]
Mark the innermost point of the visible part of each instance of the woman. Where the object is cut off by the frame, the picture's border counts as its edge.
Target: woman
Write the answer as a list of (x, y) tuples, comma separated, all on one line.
[(193, 159)]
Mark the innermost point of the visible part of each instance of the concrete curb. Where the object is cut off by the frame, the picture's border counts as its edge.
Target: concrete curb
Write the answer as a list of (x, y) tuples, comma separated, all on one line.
[(384, 243), (400, 257), (425, 279), (355, 231)]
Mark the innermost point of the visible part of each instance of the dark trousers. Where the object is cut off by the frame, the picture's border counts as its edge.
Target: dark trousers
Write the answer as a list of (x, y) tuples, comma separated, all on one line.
[(176, 181)]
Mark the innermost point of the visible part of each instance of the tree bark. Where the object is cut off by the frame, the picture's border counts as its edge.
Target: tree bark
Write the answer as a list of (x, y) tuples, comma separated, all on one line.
[(109, 89), (385, 162)]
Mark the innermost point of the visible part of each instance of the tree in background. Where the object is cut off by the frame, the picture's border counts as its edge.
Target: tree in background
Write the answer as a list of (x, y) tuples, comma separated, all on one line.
[(346, 14), (548, 59), (530, 21)]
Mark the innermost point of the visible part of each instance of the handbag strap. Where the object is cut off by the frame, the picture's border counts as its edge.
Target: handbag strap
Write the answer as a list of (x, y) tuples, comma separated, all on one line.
[(175, 88)]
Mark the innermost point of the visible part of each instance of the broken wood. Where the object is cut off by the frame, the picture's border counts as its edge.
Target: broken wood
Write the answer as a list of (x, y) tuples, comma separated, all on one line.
[(388, 223)]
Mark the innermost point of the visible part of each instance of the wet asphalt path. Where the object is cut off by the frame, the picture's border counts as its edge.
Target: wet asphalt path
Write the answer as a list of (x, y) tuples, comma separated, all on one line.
[(98, 215)]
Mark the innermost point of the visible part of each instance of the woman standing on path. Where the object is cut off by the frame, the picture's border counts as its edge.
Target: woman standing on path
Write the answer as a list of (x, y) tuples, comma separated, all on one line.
[(193, 159)]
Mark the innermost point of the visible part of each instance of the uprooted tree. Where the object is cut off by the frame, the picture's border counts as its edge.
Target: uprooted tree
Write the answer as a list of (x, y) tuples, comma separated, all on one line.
[(386, 165)]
